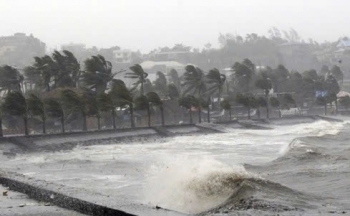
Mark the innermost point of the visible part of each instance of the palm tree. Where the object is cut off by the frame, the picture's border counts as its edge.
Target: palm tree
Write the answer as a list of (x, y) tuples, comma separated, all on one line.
[(75, 103), (154, 100), (261, 102), (68, 69), (46, 68), (216, 82), (174, 78), (121, 94), (15, 104), (160, 84), (172, 91), (206, 105), (248, 101), (265, 84), (98, 73), (93, 106), (187, 102), (36, 107), (242, 76), (194, 84), (1, 131), (106, 102), (138, 73), (225, 104), (54, 109), (274, 102), (11, 79), (142, 103)]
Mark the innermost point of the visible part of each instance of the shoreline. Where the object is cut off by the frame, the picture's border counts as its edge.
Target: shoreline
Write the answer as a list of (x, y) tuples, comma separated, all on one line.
[(86, 202)]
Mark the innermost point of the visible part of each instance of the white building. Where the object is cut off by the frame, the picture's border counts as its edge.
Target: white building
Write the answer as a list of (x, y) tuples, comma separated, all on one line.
[(122, 56)]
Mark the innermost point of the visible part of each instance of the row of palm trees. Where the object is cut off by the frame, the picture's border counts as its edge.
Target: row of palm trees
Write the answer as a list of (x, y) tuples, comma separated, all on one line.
[(62, 90)]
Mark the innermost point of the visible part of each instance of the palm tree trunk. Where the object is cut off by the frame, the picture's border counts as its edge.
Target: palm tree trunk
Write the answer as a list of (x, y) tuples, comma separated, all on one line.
[(98, 122), (44, 125), (1, 131), (191, 121), (113, 119), (84, 123), (132, 116), (25, 120), (162, 114), (62, 124), (149, 116), (208, 114), (267, 105), (142, 88), (230, 114), (199, 115)]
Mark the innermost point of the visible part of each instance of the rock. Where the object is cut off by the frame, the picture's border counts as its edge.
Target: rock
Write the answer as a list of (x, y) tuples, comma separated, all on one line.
[(4, 193)]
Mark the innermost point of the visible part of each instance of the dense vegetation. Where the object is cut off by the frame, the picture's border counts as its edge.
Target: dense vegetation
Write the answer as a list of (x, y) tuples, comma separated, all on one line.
[(60, 91)]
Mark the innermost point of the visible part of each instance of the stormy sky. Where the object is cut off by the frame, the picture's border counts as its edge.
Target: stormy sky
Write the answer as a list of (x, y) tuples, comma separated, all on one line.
[(148, 24)]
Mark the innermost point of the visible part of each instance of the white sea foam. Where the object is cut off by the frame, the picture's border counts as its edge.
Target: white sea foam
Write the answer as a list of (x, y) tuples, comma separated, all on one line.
[(191, 185)]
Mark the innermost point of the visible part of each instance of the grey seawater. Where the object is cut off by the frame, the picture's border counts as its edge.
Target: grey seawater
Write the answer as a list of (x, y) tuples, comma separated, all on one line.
[(300, 169)]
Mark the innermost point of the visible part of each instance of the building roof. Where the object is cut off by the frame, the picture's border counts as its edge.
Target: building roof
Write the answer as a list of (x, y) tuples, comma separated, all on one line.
[(170, 64), (344, 43)]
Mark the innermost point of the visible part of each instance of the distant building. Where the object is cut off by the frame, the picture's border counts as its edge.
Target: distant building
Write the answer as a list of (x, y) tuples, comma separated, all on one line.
[(74, 47), (152, 67), (122, 56), (19, 49), (296, 56)]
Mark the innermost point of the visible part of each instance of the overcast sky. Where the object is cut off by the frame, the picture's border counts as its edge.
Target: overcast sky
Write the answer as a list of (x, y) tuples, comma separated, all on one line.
[(148, 24)]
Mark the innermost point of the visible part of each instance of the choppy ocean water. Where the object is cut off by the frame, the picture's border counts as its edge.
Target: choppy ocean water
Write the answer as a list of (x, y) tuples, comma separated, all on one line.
[(300, 169)]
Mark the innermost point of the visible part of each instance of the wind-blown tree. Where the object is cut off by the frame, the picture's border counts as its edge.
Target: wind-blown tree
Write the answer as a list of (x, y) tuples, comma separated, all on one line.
[(54, 109), (206, 105), (36, 107), (172, 91), (261, 102), (1, 130), (73, 102), (68, 67), (142, 103), (174, 78), (154, 100), (108, 104), (10, 79), (94, 108), (216, 82), (288, 101), (324, 70), (242, 77), (121, 94), (46, 68), (194, 84), (98, 73), (138, 73), (279, 77), (187, 102), (225, 105), (274, 102), (332, 87), (15, 104), (248, 101), (264, 83), (147, 87), (337, 73), (160, 84), (345, 101)]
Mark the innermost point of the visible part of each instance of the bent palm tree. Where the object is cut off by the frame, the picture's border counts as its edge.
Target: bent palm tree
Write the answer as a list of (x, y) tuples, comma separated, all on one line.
[(138, 73), (142, 103), (107, 104), (36, 107), (225, 104), (11, 79), (120, 93), (187, 102), (54, 109), (216, 82), (155, 100), (194, 84), (74, 103), (265, 84), (97, 74), (15, 104)]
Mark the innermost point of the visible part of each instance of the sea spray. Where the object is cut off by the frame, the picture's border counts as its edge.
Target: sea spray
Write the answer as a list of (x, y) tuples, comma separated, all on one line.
[(192, 185)]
